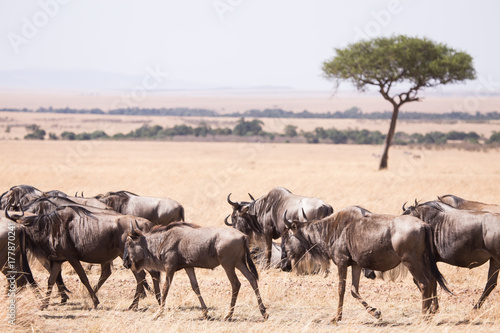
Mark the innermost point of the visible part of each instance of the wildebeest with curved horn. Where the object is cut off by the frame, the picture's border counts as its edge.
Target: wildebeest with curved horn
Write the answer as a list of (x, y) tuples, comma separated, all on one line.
[(463, 238), (181, 245), (19, 195), (459, 203), (157, 210), (262, 220), (357, 238), (74, 234)]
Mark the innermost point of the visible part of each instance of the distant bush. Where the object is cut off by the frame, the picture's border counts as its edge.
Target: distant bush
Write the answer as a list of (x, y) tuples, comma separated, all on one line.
[(36, 133), (68, 135)]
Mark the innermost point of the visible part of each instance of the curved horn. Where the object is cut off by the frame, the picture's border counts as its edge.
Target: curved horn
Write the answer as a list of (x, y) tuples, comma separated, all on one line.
[(15, 217), (81, 194), (76, 194), (304, 213), (285, 220), (404, 209), (138, 227), (131, 228), (227, 223), (416, 203), (251, 197), (234, 204)]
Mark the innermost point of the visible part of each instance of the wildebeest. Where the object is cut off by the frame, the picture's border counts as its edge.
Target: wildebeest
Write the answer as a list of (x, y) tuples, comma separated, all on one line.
[(460, 203), (157, 210), (464, 238), (74, 234), (262, 220), (181, 245), (357, 238), (19, 195)]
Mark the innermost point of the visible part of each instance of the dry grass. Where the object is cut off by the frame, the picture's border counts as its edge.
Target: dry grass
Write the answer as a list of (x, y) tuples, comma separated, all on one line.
[(200, 175)]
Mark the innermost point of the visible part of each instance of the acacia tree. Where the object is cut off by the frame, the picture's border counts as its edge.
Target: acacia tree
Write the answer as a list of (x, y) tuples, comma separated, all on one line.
[(399, 67)]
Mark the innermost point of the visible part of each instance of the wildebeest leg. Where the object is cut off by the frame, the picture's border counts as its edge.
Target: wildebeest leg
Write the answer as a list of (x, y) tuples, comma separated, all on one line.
[(235, 286), (356, 274), (269, 248), (62, 288), (342, 270), (425, 282), (196, 289), (55, 269), (168, 281), (242, 267), (59, 281), (77, 266), (105, 274), (435, 303), (140, 277), (491, 283), (156, 285)]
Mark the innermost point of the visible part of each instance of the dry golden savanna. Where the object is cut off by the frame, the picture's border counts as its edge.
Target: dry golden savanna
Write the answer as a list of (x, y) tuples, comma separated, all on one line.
[(200, 176)]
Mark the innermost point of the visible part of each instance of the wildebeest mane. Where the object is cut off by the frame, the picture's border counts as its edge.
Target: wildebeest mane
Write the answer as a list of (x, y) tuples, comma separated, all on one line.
[(433, 204), (38, 201), (121, 194), (161, 228), (55, 216)]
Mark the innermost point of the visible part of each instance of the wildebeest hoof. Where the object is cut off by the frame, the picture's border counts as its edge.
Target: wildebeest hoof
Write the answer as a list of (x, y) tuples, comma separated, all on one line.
[(228, 317), (376, 313), (265, 315), (133, 307)]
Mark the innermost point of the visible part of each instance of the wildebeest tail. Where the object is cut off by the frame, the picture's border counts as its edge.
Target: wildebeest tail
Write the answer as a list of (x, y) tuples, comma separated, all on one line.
[(249, 261), (429, 245), (27, 274)]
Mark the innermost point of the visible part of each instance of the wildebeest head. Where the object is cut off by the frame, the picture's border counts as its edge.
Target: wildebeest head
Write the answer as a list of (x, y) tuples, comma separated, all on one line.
[(19, 195), (410, 210), (242, 218), (425, 211), (293, 245), (135, 249)]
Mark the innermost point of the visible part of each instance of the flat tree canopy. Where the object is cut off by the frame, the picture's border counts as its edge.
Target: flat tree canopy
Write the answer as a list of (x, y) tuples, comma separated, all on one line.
[(399, 67)]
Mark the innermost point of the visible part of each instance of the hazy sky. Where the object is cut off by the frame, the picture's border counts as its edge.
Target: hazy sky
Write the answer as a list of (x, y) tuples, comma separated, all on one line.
[(233, 42)]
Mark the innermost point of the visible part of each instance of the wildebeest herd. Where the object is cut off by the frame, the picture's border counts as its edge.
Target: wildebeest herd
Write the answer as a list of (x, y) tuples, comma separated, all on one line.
[(151, 235)]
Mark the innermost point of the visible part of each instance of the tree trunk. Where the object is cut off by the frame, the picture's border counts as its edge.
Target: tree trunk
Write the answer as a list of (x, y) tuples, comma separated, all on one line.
[(388, 140)]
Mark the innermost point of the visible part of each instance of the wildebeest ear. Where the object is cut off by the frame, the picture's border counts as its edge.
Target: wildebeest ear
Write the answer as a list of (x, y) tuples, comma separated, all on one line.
[(133, 234), (244, 209)]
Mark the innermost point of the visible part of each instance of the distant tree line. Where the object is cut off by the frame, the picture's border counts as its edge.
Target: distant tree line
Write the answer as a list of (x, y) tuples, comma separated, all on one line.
[(254, 128), (352, 113)]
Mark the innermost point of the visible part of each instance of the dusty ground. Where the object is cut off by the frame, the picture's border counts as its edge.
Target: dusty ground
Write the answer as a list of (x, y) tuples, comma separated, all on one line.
[(200, 175)]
